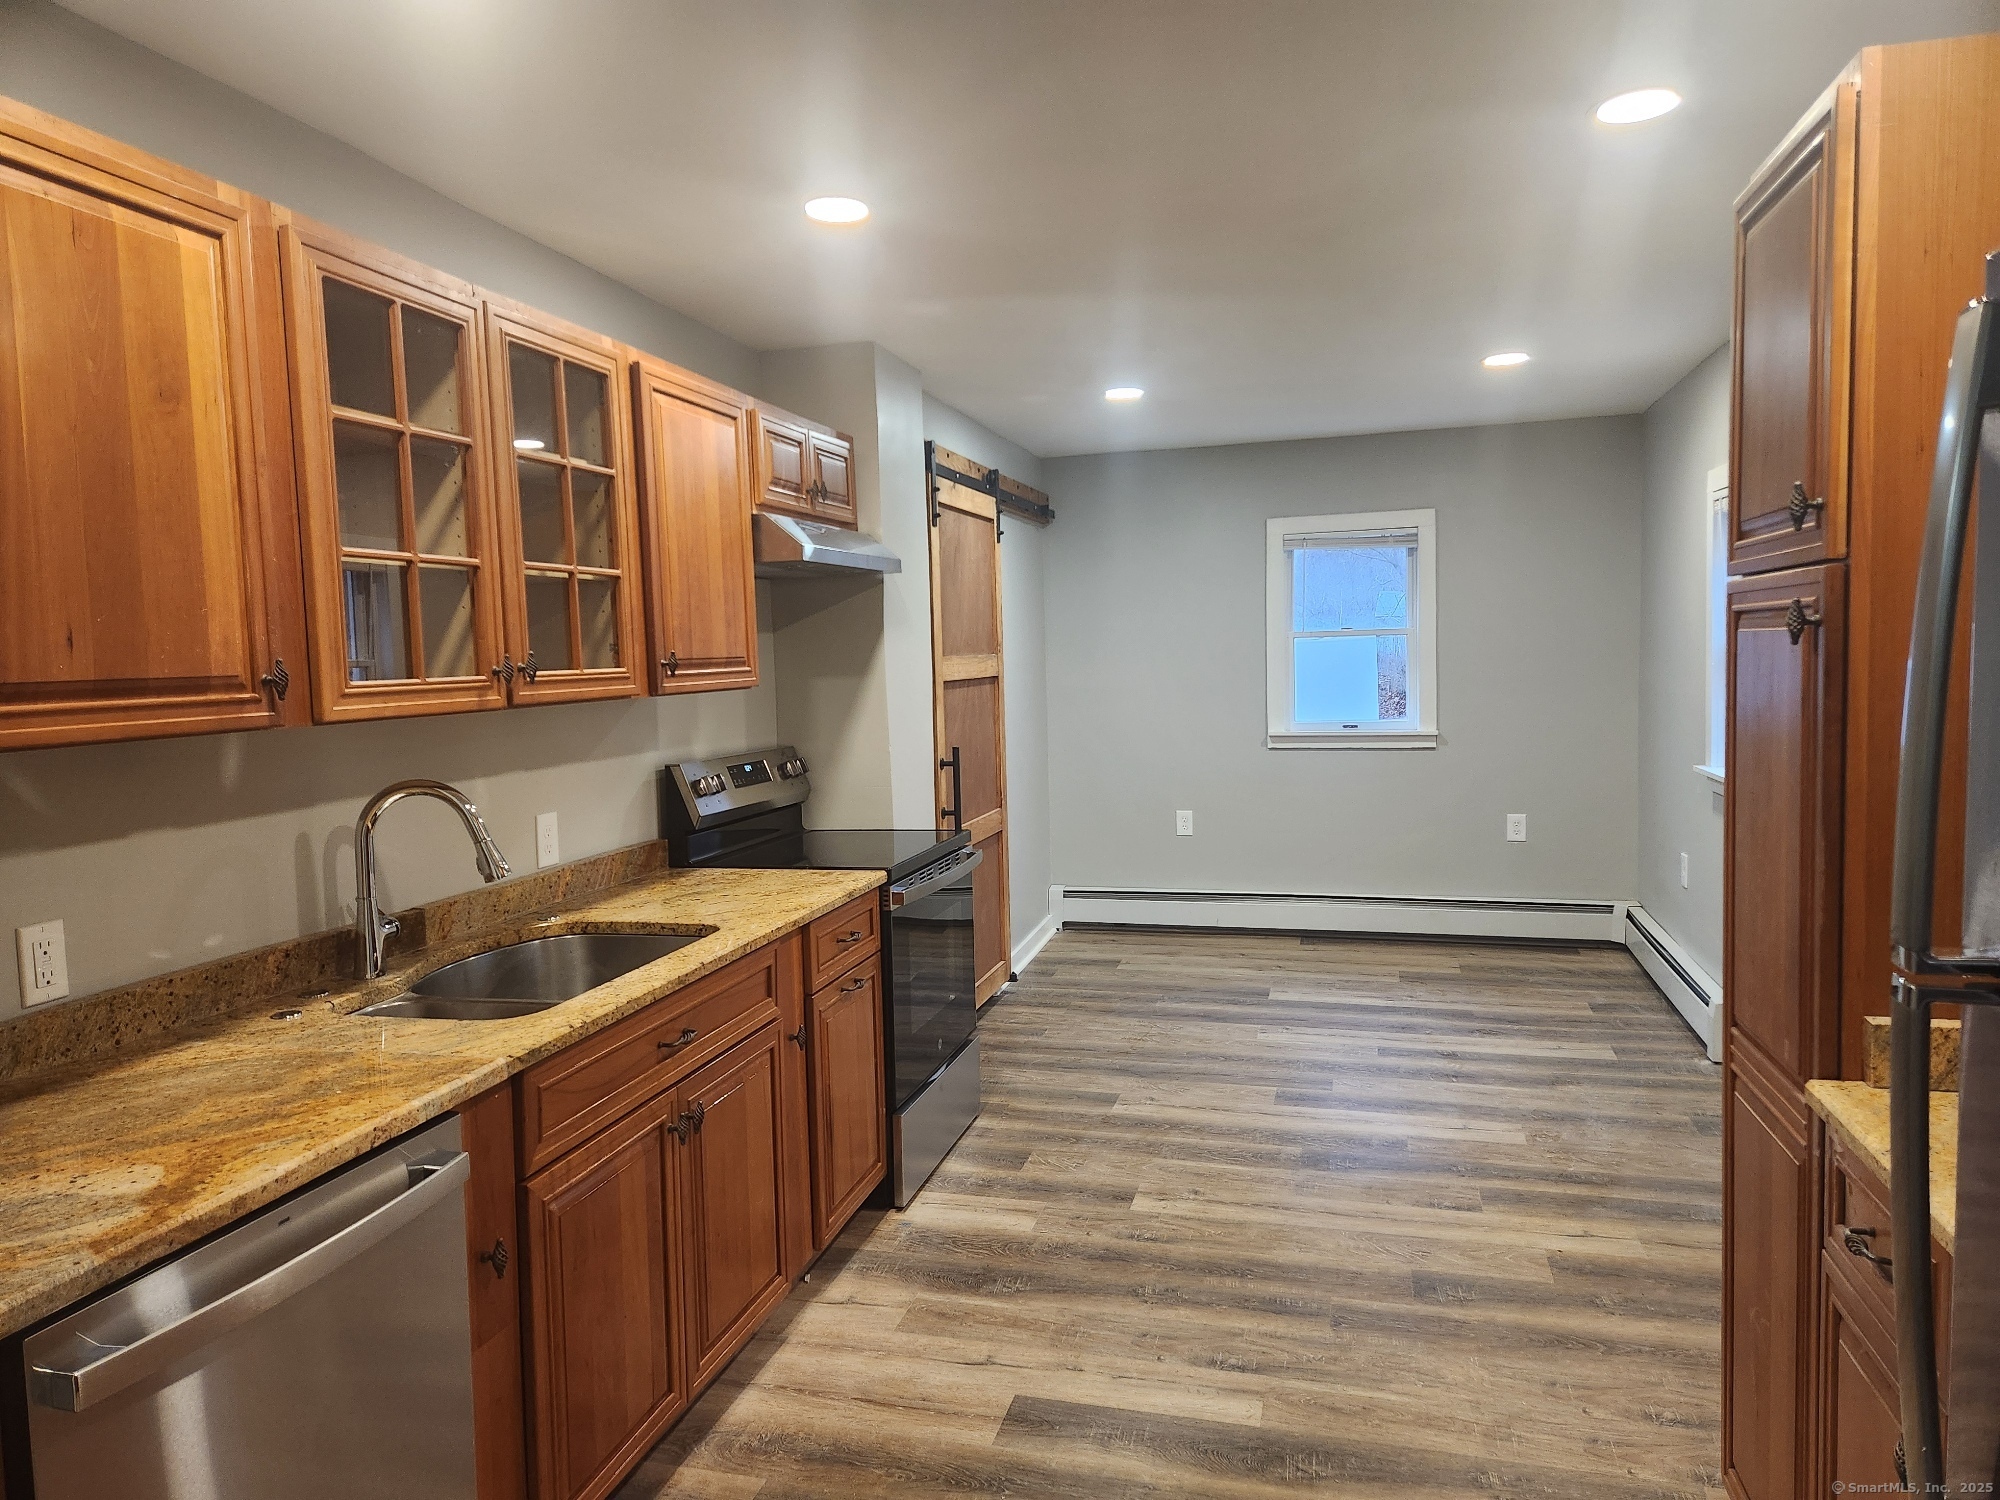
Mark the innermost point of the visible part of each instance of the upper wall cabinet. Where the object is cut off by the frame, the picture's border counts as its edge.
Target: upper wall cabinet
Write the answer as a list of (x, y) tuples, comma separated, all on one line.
[(695, 466), (1794, 318), (569, 518), (148, 545), (803, 469), (395, 481)]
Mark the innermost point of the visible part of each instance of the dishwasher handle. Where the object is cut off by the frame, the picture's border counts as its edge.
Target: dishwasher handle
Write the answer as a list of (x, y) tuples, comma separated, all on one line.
[(84, 1383)]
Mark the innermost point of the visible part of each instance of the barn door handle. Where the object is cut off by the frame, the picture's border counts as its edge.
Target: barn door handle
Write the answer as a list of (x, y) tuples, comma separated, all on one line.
[(1798, 617), (1801, 505), (954, 812), (277, 681)]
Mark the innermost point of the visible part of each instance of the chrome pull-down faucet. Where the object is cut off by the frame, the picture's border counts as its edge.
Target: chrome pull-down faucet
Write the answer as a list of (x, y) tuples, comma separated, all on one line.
[(370, 926)]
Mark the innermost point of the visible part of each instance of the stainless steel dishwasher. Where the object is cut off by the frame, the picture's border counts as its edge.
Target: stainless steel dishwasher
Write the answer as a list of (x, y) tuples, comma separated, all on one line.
[(319, 1350)]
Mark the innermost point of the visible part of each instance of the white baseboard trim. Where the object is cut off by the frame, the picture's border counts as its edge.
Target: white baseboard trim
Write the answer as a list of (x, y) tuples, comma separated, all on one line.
[(1689, 988), (1037, 940), (1414, 916)]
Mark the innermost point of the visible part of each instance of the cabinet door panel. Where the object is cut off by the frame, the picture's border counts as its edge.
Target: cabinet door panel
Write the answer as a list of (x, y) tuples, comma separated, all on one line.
[(1767, 1250), (696, 465), (607, 1374), (784, 462), (1860, 1424), (733, 1168), (850, 1124), (143, 499), (832, 479), (1794, 276), (1786, 647)]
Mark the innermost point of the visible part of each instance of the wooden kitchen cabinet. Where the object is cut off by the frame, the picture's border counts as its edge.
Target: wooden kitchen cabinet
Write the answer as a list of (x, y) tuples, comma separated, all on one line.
[(569, 528), (148, 540), (831, 481), (1794, 298), (731, 1140), (606, 1355), (803, 468), (696, 468), (402, 567), (850, 1128), (493, 1268)]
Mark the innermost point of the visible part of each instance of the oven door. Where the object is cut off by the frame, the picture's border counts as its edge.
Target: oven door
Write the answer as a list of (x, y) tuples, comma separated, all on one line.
[(932, 1005)]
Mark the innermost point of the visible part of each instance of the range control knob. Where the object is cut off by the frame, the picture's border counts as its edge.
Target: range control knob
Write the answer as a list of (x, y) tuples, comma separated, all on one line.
[(707, 786), (794, 767)]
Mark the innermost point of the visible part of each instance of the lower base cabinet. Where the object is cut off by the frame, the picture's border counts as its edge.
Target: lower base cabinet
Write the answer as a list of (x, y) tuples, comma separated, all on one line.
[(652, 1250)]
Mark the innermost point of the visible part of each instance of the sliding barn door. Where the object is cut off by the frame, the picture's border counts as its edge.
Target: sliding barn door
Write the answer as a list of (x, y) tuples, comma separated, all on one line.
[(971, 714)]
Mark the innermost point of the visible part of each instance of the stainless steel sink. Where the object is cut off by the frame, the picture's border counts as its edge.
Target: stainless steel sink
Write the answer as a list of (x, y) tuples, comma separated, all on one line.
[(523, 978)]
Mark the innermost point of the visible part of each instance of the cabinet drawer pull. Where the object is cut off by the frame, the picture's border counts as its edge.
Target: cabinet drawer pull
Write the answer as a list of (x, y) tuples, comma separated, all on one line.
[(853, 937), (278, 681), (1800, 505), (798, 1036), (1797, 618), (859, 984), (687, 1035), (497, 1258), (1860, 1244)]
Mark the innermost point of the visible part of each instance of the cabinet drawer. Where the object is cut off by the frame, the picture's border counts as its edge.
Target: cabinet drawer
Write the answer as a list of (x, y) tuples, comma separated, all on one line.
[(576, 1093), (1857, 1221), (837, 939)]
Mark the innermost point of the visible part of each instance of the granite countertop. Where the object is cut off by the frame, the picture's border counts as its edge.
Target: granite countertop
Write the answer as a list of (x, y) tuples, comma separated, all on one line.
[(1859, 1114), (116, 1153)]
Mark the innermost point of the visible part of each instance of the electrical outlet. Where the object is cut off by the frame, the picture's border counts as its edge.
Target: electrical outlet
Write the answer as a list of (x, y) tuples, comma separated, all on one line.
[(547, 850), (1184, 823), (1517, 828), (44, 962), (1684, 870)]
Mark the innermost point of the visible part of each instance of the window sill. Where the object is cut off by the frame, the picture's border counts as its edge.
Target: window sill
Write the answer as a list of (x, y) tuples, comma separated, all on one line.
[(1337, 740), (1713, 773)]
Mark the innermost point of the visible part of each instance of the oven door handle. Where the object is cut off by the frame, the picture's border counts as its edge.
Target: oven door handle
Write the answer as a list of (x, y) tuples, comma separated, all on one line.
[(934, 879)]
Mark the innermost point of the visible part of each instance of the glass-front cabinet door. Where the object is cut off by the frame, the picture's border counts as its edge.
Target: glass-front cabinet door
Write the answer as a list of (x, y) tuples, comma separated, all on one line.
[(570, 524), (403, 586)]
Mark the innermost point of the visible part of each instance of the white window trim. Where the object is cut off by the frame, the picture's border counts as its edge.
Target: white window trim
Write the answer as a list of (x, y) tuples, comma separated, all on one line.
[(1281, 733)]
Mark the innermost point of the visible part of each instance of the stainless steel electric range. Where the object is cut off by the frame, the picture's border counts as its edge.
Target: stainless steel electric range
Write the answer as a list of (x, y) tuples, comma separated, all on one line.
[(747, 811)]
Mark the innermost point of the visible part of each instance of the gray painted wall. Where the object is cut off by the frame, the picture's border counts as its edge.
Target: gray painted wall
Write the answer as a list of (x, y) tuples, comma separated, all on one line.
[(1155, 592), (161, 854), (1680, 810), (1023, 568)]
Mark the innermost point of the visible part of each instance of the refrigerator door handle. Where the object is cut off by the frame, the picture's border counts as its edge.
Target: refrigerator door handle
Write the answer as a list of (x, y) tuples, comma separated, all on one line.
[(1972, 385)]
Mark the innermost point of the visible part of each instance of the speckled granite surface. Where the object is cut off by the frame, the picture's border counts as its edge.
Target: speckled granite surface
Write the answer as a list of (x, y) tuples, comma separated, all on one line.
[(123, 1139), (1859, 1114), (1945, 1036)]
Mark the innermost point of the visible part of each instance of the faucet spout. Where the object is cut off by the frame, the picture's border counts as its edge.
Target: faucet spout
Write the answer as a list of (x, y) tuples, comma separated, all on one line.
[(371, 928)]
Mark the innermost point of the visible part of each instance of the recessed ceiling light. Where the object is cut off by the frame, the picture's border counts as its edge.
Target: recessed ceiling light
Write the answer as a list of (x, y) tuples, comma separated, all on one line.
[(1504, 361), (1124, 393), (836, 210), (529, 443), (1640, 104)]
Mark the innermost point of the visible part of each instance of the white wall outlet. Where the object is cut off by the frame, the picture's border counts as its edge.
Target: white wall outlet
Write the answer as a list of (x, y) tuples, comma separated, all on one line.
[(1184, 823), (547, 850), (1684, 870), (44, 962), (1517, 828)]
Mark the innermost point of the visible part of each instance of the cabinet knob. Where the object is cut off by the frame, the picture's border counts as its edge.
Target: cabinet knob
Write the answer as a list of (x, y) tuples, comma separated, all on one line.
[(497, 1258), (1797, 618), (690, 1121), (1800, 505), (277, 681), (798, 1036), (505, 670), (528, 668), (671, 663)]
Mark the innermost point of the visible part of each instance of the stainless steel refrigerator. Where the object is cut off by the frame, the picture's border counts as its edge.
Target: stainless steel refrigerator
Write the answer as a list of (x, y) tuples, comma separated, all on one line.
[(1967, 971)]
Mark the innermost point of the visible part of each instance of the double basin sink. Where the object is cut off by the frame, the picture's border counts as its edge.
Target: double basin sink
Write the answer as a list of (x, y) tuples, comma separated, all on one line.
[(523, 978)]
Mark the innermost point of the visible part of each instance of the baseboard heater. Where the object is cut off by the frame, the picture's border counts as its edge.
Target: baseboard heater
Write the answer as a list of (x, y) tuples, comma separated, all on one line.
[(1413, 916), (1688, 987)]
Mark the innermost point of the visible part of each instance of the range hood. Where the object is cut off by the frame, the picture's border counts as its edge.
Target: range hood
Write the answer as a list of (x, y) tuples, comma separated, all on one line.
[(788, 547)]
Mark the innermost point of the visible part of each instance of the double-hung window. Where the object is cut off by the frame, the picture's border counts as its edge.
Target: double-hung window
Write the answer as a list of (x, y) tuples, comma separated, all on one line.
[(1350, 630)]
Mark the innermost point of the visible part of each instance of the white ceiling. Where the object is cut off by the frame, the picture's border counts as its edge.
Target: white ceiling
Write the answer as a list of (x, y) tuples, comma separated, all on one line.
[(1280, 217)]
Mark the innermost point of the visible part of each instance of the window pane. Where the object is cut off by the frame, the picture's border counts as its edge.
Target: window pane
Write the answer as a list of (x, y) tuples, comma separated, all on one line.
[(430, 370), (445, 596), (541, 512), (369, 483), (377, 645), (548, 621), (437, 471), (532, 374), (1351, 588), (1350, 679), (357, 348)]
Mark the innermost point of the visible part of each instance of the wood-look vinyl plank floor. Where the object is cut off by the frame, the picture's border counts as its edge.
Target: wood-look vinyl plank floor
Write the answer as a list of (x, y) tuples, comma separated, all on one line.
[(1250, 1216)]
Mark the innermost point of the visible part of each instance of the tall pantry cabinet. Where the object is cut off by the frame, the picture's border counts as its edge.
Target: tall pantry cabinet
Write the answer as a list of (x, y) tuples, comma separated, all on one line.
[(1857, 243)]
